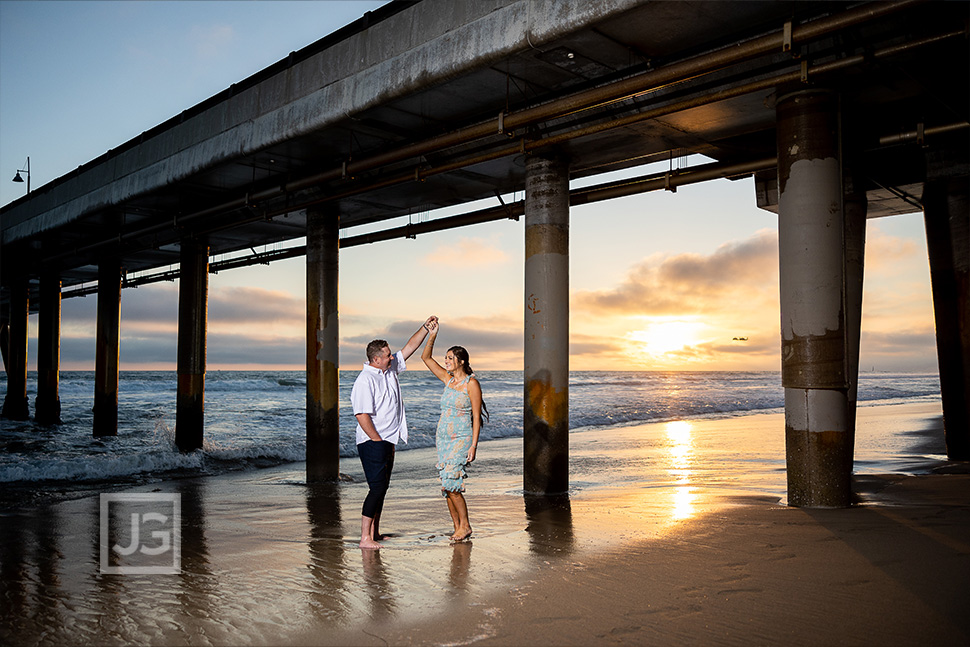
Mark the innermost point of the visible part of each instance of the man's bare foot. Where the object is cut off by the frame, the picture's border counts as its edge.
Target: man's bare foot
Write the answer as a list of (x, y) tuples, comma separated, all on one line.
[(369, 544)]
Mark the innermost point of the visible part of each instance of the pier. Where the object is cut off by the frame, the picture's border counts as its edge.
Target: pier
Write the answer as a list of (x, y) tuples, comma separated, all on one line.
[(842, 112)]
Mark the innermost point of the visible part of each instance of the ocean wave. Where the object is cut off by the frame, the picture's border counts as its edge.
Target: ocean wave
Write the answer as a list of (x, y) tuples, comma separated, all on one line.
[(255, 418), (98, 468)]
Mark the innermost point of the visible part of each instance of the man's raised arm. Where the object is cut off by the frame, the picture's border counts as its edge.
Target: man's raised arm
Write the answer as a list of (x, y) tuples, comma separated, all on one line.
[(417, 338)]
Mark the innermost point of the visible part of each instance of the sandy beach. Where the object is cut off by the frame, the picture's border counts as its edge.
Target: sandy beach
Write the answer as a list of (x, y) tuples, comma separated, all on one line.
[(673, 533)]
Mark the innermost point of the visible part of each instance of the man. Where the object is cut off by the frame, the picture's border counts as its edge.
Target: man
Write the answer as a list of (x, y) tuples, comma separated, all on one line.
[(381, 424)]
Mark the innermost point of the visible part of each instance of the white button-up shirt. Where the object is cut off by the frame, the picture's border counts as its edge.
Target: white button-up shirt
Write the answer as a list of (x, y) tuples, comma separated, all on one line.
[(379, 393)]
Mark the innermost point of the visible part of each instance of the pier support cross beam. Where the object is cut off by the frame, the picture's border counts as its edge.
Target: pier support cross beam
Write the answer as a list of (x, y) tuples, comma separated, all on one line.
[(193, 316), (15, 404), (814, 347), (47, 405), (108, 346), (546, 396), (947, 219), (322, 358)]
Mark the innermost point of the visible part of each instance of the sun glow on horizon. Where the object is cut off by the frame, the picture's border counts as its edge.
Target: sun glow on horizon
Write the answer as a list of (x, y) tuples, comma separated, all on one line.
[(662, 337)]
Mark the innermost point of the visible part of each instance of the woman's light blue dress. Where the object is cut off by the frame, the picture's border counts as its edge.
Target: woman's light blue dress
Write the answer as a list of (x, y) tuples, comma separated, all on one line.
[(454, 436)]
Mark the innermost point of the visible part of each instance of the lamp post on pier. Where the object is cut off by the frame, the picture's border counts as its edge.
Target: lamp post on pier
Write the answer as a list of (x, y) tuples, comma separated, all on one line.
[(17, 178)]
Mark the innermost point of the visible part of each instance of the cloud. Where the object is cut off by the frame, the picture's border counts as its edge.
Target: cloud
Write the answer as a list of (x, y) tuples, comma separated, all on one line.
[(248, 305), (580, 345), (466, 252), (884, 252), (740, 272), (157, 304), (478, 335), (899, 341), (246, 325), (228, 350)]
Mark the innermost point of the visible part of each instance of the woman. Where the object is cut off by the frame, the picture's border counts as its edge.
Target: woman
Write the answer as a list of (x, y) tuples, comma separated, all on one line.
[(458, 427)]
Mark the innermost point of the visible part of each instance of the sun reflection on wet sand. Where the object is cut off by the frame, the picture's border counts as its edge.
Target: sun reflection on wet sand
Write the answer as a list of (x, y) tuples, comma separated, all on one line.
[(681, 452)]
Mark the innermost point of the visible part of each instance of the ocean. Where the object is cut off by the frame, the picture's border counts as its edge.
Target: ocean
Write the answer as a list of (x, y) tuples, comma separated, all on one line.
[(256, 419)]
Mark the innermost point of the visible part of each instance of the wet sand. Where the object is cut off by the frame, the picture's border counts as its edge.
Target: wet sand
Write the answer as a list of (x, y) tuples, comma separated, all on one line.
[(673, 533)]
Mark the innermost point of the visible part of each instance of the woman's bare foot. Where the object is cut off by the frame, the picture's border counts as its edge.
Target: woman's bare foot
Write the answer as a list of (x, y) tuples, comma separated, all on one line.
[(369, 544), (461, 534)]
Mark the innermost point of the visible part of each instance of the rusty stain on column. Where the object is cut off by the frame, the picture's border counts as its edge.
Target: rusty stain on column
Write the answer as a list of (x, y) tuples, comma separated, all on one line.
[(322, 363), (855, 205), (15, 404), (812, 283), (108, 345), (546, 410), (947, 219), (193, 311), (47, 405)]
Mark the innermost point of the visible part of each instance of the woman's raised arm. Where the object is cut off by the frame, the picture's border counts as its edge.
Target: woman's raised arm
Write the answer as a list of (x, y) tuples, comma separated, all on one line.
[(429, 361)]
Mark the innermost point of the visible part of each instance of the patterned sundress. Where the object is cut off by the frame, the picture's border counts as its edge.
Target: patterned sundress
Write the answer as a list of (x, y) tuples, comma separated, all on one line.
[(454, 436)]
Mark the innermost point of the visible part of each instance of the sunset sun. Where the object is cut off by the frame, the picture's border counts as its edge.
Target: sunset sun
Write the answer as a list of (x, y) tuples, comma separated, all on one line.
[(664, 337)]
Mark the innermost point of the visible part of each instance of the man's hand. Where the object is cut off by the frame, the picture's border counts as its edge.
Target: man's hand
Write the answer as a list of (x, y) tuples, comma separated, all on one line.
[(367, 424)]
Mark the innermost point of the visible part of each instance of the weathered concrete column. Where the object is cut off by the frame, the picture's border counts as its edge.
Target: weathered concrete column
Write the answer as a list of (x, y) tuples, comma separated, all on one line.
[(322, 363), (15, 405), (193, 311), (546, 410), (812, 280), (856, 206), (108, 346), (947, 218), (47, 405)]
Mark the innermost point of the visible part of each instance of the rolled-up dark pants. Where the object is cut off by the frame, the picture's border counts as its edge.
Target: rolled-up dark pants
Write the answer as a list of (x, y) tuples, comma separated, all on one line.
[(377, 459)]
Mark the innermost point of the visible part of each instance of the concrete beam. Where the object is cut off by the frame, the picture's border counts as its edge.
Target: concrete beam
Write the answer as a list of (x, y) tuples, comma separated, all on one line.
[(108, 347), (15, 404), (47, 405), (193, 311), (947, 218), (855, 206), (322, 361), (546, 410), (814, 349)]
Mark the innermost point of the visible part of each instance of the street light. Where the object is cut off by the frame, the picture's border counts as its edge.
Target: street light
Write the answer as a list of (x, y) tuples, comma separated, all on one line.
[(17, 177)]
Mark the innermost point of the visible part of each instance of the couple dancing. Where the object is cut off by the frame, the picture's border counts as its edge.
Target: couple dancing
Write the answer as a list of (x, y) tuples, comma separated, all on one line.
[(381, 424)]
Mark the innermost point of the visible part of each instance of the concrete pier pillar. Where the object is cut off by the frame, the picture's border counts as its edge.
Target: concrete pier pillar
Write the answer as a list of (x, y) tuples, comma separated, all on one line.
[(546, 410), (193, 311), (108, 346), (47, 406), (322, 363), (15, 405), (855, 205), (814, 350), (945, 211)]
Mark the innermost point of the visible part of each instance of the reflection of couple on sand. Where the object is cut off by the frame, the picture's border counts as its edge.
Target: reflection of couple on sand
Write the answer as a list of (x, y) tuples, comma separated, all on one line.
[(381, 424)]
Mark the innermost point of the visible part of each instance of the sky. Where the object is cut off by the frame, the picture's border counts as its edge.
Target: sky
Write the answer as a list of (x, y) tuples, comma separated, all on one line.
[(660, 281)]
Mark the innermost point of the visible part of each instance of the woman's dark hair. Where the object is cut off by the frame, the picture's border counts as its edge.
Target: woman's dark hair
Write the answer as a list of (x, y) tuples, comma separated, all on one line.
[(462, 356)]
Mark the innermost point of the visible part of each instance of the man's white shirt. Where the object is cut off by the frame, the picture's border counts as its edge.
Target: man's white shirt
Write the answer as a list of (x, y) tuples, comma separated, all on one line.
[(379, 393)]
